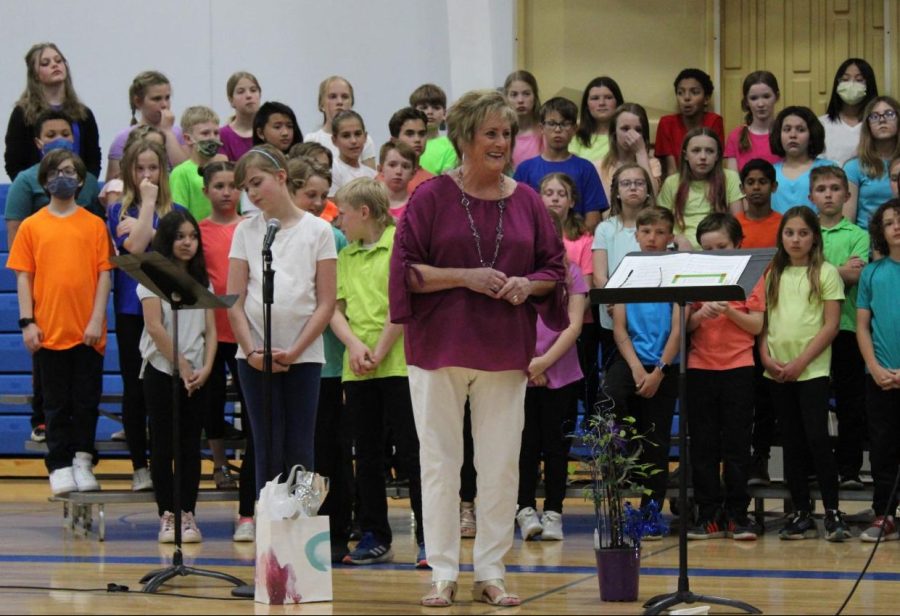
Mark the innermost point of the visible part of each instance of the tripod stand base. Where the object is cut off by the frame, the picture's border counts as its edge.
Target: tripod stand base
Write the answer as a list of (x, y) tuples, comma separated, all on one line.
[(661, 603), (244, 591), (153, 580)]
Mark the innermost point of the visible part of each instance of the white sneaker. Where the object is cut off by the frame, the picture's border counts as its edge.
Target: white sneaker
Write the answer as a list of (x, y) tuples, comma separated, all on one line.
[(167, 527), (189, 531), (118, 435), (245, 531), (83, 469), (529, 523), (62, 481), (141, 480), (551, 521)]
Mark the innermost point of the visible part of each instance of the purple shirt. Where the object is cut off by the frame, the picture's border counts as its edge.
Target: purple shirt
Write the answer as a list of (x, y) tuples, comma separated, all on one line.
[(567, 368), (233, 145), (458, 327), (117, 148)]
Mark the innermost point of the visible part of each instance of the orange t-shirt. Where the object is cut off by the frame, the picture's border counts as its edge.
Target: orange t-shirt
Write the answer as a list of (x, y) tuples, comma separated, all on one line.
[(759, 233), (66, 255), (719, 344), (216, 246), (329, 212)]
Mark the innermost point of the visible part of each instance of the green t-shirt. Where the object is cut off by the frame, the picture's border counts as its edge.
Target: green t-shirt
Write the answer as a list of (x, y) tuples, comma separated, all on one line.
[(439, 156), (697, 206), (187, 189), (334, 348), (362, 283), (595, 152), (840, 242), (795, 321)]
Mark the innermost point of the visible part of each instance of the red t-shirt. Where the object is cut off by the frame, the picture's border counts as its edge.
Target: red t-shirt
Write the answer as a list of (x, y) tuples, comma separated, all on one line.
[(671, 131), (759, 233), (719, 344), (216, 246)]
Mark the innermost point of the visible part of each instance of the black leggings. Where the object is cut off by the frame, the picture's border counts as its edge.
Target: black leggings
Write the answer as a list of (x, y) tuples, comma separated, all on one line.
[(134, 411)]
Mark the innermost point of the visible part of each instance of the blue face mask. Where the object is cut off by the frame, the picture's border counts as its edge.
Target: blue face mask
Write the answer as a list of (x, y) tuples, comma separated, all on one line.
[(63, 187), (57, 144)]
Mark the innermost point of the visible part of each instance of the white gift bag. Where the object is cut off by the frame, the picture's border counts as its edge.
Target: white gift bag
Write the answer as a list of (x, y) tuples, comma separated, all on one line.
[(293, 552)]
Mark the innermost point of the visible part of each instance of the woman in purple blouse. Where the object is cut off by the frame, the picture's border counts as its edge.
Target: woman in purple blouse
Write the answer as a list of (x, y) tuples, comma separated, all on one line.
[(475, 260)]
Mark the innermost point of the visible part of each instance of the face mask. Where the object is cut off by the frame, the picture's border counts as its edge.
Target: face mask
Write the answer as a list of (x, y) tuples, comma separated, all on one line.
[(62, 187), (851, 92), (57, 144), (208, 147)]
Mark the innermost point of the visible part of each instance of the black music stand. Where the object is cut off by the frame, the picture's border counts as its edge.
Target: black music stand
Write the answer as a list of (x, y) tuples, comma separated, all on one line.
[(182, 292), (682, 295)]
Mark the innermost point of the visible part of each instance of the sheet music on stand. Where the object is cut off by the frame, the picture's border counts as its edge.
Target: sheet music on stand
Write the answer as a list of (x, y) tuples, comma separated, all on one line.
[(678, 269)]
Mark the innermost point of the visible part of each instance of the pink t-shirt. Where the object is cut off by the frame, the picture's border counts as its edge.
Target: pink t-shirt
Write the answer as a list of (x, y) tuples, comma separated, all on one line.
[(233, 145), (397, 212), (527, 146), (719, 344), (759, 148), (580, 252), (567, 368)]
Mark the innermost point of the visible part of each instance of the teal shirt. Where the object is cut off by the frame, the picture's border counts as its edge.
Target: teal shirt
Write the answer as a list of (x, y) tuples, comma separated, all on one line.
[(842, 241), (878, 286), (334, 348), (26, 196)]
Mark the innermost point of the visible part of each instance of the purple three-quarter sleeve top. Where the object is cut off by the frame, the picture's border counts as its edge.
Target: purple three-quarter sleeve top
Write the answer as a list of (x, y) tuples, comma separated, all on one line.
[(459, 327)]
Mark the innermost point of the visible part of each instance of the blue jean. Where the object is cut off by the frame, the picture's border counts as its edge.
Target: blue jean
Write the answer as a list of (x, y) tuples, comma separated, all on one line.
[(295, 397)]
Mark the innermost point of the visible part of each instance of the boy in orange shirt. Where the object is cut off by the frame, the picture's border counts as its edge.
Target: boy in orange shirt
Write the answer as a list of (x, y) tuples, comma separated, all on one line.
[(61, 259), (760, 222)]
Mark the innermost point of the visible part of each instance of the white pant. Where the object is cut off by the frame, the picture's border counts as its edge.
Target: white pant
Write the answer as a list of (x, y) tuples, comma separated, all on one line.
[(497, 401)]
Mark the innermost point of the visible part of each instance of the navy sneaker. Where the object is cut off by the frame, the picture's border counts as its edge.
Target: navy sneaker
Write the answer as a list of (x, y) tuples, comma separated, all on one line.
[(710, 528), (422, 558), (741, 528), (835, 528), (800, 525), (369, 551)]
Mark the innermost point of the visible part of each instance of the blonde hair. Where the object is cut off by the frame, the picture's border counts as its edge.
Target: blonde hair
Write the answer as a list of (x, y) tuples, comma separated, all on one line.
[(140, 132), (195, 115), (371, 193), (572, 227), (869, 161), (470, 112), (139, 86), (232, 82), (323, 90), (298, 170), (32, 100), (402, 149), (131, 189), (267, 158)]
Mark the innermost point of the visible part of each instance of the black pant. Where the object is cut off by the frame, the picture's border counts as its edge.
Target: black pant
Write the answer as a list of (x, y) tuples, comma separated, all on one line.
[(765, 420), (848, 378), (37, 395), (158, 394), (883, 413), (588, 354), (134, 411), (802, 409), (334, 458), (720, 418), (72, 382), (467, 474), (653, 418), (549, 423), (369, 404)]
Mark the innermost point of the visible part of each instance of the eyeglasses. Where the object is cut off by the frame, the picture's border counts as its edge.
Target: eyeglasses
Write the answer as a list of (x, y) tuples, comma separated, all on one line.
[(628, 184), (68, 172), (558, 125), (888, 116)]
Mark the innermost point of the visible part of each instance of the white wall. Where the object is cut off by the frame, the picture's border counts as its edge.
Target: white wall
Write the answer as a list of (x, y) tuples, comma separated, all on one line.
[(385, 48)]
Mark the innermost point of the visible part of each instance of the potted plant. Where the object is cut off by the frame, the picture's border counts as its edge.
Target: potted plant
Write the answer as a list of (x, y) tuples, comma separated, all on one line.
[(614, 449)]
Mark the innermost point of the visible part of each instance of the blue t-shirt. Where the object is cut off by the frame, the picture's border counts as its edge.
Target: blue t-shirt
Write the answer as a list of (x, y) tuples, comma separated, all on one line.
[(877, 293), (334, 348), (872, 191), (794, 192), (590, 198), (649, 326), (125, 299)]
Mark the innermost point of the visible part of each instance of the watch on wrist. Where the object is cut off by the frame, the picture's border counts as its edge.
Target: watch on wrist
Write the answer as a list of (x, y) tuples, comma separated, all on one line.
[(23, 323), (661, 365)]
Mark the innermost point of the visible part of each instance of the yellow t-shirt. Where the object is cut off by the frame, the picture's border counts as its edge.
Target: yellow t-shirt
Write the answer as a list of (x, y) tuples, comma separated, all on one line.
[(697, 206), (595, 152), (795, 320)]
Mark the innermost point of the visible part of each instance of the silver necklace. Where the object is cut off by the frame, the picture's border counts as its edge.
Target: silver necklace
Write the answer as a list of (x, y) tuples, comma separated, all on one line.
[(501, 205)]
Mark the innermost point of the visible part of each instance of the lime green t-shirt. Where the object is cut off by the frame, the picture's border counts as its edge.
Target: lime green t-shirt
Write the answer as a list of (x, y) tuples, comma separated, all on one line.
[(187, 189), (697, 206), (439, 156), (795, 321), (840, 242), (362, 283), (595, 152)]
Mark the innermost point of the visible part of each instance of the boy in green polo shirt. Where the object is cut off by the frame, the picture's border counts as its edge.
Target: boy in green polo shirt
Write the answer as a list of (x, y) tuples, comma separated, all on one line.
[(376, 386), (200, 126), (846, 247)]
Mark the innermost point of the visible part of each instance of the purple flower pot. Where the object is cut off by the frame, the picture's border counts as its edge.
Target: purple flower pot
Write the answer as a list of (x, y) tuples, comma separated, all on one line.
[(619, 573)]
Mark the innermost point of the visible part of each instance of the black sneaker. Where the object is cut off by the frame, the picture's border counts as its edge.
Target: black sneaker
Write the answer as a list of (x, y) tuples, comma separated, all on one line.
[(742, 528), (759, 472), (799, 526), (835, 528), (851, 482), (709, 528)]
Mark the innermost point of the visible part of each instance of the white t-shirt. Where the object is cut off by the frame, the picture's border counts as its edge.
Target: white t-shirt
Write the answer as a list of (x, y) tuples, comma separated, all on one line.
[(295, 253), (191, 336), (320, 136), (342, 173), (841, 140)]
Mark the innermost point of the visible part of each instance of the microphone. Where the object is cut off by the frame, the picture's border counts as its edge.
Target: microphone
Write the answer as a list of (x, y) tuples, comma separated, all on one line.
[(272, 228)]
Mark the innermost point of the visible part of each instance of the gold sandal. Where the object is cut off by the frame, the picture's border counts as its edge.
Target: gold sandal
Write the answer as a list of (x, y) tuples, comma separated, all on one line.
[(504, 599), (442, 594)]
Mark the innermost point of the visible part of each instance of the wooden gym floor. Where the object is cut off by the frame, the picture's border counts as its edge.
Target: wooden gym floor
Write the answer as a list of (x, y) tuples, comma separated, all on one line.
[(811, 576)]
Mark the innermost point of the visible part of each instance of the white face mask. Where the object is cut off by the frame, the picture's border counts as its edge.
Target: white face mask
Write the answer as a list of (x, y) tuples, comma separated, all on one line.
[(851, 92)]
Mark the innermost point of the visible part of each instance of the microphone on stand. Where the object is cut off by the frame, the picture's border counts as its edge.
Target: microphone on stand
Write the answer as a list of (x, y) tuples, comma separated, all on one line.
[(272, 228)]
